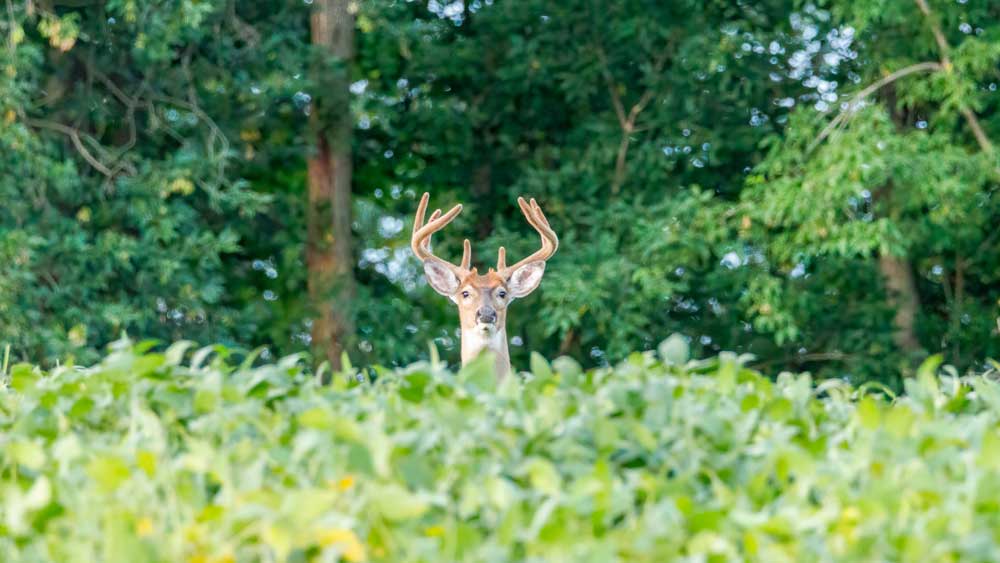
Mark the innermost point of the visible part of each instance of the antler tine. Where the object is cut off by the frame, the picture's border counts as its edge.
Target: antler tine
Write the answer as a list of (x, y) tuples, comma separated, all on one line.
[(466, 255), (420, 241), (541, 216), (427, 241), (550, 242)]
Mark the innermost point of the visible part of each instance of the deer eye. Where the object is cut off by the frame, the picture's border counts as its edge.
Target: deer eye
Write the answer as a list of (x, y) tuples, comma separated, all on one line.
[(465, 294), (502, 294)]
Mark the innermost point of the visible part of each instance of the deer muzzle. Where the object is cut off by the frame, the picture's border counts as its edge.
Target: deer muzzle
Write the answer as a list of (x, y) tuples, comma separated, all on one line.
[(486, 315)]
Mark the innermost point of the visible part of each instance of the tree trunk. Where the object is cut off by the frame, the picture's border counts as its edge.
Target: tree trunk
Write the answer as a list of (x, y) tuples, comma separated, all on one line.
[(328, 248), (901, 292), (897, 271), (482, 186)]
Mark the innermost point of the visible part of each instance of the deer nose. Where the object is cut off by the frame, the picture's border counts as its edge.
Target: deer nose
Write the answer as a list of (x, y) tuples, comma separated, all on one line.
[(486, 315)]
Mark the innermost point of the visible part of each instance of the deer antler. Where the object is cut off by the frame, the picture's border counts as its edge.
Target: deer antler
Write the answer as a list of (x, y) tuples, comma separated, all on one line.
[(421, 240), (550, 242)]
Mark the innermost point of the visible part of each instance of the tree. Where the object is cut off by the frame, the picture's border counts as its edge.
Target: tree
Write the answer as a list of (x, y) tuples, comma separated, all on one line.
[(812, 183), (118, 172), (636, 141), (329, 258), (892, 190)]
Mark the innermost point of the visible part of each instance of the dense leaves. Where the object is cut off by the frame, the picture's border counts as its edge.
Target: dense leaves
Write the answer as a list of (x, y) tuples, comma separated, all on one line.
[(754, 175), (199, 455), (121, 201), (895, 188)]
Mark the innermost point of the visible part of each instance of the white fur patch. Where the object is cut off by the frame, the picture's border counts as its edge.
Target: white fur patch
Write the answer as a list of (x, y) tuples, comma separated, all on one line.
[(484, 336)]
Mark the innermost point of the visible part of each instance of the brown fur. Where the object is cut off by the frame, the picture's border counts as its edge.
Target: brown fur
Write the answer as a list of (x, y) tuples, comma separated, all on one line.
[(483, 290)]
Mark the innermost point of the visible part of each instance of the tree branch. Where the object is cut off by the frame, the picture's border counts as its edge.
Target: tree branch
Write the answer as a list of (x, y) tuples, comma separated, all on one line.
[(140, 99), (977, 130), (939, 37), (855, 103), (74, 136), (942, 42), (626, 122), (616, 100)]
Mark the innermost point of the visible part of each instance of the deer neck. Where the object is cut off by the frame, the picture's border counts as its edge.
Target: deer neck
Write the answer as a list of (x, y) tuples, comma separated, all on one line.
[(475, 341)]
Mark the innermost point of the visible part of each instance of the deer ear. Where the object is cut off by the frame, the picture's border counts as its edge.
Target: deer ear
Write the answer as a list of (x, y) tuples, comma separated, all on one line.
[(441, 278), (525, 279)]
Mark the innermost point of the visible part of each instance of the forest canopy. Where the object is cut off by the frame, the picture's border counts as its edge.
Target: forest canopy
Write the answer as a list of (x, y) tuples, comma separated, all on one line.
[(812, 183)]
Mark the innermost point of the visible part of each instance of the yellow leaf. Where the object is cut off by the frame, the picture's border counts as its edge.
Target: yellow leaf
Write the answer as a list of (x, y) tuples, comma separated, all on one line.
[(365, 24), (345, 482), (144, 527), (77, 335), (181, 186), (345, 541), (333, 536), (250, 135), (146, 461)]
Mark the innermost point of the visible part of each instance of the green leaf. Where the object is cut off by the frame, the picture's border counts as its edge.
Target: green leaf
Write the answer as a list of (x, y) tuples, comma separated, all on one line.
[(989, 451), (868, 413), (146, 461), (780, 409), (23, 377), (205, 401), (480, 372), (544, 476), (899, 420), (569, 371), (674, 350), (412, 386), (395, 503), (319, 418), (27, 453), (201, 355), (540, 367), (930, 366), (108, 471), (643, 436)]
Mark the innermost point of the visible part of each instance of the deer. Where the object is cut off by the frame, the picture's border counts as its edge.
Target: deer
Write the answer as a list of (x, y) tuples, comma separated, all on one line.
[(482, 300)]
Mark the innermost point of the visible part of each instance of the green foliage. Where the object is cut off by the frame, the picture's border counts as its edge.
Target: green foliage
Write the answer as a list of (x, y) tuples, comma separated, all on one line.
[(120, 202), (491, 104), (727, 221), (198, 455), (899, 173), (153, 169)]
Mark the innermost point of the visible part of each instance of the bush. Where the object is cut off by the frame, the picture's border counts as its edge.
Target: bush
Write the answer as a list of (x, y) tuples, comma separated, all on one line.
[(190, 457)]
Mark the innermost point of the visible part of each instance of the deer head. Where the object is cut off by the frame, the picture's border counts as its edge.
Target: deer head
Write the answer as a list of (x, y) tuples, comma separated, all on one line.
[(482, 299)]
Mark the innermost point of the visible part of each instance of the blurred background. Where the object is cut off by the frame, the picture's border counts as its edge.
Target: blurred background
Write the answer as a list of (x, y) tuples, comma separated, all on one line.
[(814, 183)]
